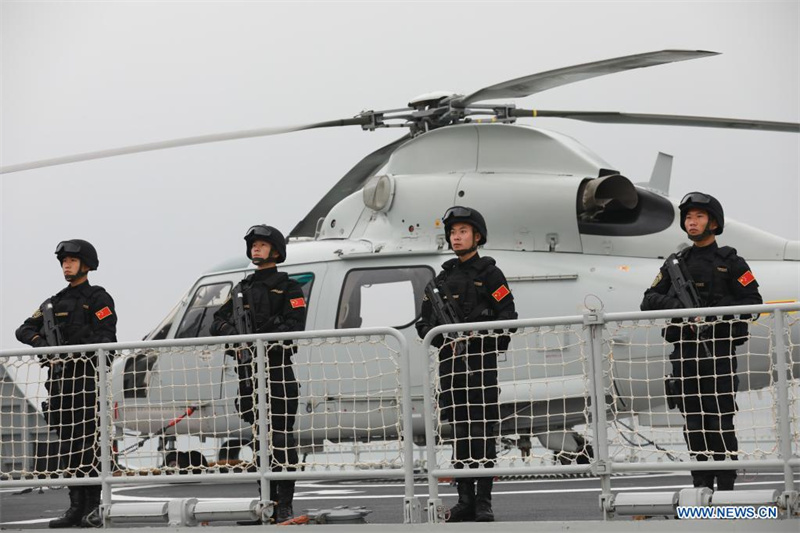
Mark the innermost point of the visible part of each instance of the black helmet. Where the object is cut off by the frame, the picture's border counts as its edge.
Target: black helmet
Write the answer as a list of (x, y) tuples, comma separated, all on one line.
[(271, 235), (467, 215), (699, 200), (79, 248)]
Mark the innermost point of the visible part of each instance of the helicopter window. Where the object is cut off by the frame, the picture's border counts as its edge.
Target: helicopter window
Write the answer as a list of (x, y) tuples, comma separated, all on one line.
[(382, 297), (198, 317), (137, 374)]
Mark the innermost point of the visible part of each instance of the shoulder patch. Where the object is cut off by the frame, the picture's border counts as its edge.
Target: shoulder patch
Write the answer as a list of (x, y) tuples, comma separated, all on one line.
[(297, 302), (103, 313), (501, 293), (747, 278), (658, 279)]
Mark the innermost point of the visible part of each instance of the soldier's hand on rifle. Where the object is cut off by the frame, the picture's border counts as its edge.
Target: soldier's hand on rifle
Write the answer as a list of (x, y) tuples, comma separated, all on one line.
[(39, 342), (226, 330)]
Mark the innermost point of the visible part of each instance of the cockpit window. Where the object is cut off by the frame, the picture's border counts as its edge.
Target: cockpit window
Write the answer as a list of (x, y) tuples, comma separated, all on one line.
[(611, 205), (382, 297), (205, 302)]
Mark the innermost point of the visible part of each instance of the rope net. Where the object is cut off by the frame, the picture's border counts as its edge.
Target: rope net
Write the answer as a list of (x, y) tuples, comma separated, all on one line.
[(711, 393), (197, 409)]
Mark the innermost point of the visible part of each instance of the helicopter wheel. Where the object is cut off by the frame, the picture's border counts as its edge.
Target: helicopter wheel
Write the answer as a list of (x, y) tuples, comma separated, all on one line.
[(236, 450), (185, 461)]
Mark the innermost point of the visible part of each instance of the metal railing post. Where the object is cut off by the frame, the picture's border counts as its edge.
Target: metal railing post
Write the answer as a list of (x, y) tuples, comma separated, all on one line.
[(261, 430), (784, 424), (435, 509), (105, 437), (411, 507), (593, 326)]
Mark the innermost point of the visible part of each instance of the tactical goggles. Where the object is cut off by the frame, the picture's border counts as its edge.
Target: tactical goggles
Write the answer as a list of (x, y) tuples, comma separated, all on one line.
[(67, 247), (457, 212), (696, 198), (258, 231)]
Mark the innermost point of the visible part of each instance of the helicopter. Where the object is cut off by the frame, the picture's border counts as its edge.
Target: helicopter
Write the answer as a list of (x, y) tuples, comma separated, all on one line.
[(562, 222)]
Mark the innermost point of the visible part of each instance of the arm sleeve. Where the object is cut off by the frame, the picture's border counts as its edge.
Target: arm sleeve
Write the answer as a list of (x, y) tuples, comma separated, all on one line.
[(30, 332), (426, 321), (103, 327), (221, 325), (293, 312), (656, 297), (501, 299), (744, 287)]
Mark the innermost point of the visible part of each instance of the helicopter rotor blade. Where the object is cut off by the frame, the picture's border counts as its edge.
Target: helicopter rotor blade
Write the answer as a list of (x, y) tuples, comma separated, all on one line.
[(612, 117), (536, 83), (361, 120), (351, 182)]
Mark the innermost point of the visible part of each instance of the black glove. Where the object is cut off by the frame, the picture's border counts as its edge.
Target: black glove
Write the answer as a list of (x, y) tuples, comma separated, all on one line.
[(227, 329), (39, 342)]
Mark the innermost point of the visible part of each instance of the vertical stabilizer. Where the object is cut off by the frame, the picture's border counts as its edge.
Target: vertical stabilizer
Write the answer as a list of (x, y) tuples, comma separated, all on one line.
[(662, 172)]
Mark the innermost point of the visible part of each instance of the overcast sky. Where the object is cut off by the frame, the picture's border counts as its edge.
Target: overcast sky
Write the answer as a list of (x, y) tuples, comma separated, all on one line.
[(81, 76)]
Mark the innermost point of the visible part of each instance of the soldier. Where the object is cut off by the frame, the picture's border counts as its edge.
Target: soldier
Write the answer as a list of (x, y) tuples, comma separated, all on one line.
[(704, 382), (79, 314), (271, 303), (479, 292)]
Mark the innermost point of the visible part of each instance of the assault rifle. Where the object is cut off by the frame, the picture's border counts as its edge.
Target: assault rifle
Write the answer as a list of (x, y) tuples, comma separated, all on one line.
[(444, 311), (686, 293), (53, 337), (244, 325), (51, 332)]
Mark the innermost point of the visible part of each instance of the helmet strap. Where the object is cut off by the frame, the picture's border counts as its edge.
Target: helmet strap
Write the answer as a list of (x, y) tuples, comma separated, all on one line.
[(704, 235), (81, 274), (466, 251)]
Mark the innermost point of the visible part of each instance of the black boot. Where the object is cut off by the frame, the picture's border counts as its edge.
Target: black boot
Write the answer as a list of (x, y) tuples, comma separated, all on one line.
[(72, 516), (91, 512), (483, 500), (284, 498), (726, 479), (464, 510), (703, 478)]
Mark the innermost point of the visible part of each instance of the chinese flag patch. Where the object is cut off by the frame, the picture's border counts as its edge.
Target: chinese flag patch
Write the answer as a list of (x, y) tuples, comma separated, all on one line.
[(747, 278), (103, 313), (297, 302), (501, 293)]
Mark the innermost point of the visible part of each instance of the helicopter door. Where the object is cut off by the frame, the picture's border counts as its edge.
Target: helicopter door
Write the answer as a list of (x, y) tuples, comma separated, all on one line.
[(367, 386)]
